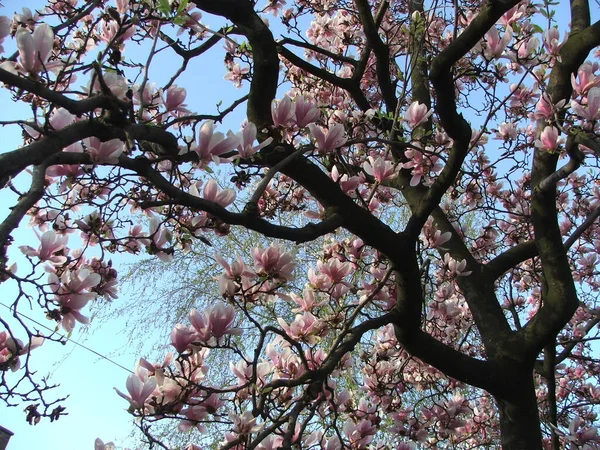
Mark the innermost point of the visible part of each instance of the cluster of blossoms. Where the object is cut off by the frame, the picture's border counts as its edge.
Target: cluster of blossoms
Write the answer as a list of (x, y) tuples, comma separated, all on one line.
[(427, 248)]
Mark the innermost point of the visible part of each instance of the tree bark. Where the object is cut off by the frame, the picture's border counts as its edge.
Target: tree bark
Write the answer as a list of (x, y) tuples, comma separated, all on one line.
[(519, 417)]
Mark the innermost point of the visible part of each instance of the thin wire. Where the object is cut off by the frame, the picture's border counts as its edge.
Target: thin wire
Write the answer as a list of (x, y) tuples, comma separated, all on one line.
[(68, 338)]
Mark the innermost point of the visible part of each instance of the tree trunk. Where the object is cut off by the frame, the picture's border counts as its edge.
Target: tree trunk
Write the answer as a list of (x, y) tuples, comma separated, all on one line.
[(519, 417)]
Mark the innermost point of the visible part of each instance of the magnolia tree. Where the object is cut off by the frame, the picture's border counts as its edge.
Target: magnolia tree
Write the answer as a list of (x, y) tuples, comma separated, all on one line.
[(439, 159)]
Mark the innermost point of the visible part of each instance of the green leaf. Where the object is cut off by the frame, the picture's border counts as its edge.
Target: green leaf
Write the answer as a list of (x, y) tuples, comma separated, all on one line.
[(538, 29), (164, 6), (182, 6)]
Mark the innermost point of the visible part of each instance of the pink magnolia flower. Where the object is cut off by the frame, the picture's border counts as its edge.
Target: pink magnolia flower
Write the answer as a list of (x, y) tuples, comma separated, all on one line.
[(139, 390), (11, 349), (104, 152), (527, 49), (35, 48), (112, 31), (456, 268), (223, 197), (360, 434), (236, 74), (305, 327), (495, 45), (72, 292), (439, 239), (219, 321), (212, 145), (5, 24), (246, 148), (115, 82), (335, 270), (175, 96), (506, 131), (551, 41), (60, 118), (100, 445), (182, 337), (380, 169), (586, 79), (306, 112), (592, 109), (245, 423), (161, 240), (282, 112), (273, 262), (233, 276), (334, 138), (544, 108), (307, 302), (51, 243), (347, 184), (122, 6), (549, 139), (416, 114)]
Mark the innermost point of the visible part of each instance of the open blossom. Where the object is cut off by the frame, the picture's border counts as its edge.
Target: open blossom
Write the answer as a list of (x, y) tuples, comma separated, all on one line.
[(456, 268), (234, 272), (360, 434), (495, 45), (174, 98), (305, 327), (282, 112), (35, 48), (236, 74), (326, 142), (115, 82), (246, 147), (380, 169), (223, 197), (335, 270), (72, 292), (182, 337), (591, 111), (551, 41), (586, 79), (100, 445), (139, 389), (544, 108), (211, 145), (306, 112), (273, 262), (416, 114), (104, 152), (347, 184), (51, 243), (506, 131), (11, 349), (5, 23), (219, 320), (245, 423), (549, 139)]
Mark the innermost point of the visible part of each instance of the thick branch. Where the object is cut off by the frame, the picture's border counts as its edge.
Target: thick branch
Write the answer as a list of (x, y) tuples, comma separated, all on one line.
[(25, 203), (77, 107), (263, 86), (246, 219), (348, 84), (381, 51), (453, 363), (317, 49), (510, 258), (559, 295)]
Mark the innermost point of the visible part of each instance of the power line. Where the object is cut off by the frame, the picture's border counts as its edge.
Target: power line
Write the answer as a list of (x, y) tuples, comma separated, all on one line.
[(67, 338)]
